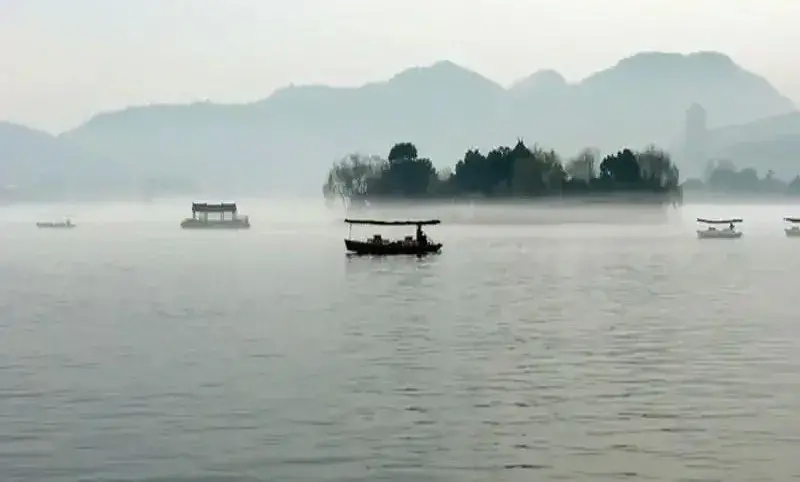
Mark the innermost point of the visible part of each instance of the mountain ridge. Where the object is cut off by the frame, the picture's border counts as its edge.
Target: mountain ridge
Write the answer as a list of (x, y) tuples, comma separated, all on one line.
[(633, 61), (281, 140)]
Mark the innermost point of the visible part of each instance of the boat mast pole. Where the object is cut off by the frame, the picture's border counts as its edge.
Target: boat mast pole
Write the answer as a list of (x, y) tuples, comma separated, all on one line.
[(349, 230)]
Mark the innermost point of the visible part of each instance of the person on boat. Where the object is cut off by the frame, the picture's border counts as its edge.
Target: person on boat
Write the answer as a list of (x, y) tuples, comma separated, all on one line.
[(731, 226), (422, 240)]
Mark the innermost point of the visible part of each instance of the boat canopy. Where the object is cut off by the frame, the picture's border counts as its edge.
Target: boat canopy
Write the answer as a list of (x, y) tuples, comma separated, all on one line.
[(719, 221), (392, 223), (792, 220), (214, 208)]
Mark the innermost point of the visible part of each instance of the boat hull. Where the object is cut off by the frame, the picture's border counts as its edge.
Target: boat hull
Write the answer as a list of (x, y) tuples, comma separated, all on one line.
[(55, 225), (227, 224), (792, 232), (361, 247), (719, 234)]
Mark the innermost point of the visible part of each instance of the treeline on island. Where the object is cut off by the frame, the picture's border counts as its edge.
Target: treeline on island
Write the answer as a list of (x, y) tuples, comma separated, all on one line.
[(503, 173)]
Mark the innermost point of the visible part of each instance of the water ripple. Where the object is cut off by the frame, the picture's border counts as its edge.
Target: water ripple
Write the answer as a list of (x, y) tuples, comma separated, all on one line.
[(550, 356)]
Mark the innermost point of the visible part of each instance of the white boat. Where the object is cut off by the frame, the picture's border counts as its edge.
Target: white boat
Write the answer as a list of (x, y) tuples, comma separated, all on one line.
[(794, 229), (200, 220), (59, 224), (713, 232)]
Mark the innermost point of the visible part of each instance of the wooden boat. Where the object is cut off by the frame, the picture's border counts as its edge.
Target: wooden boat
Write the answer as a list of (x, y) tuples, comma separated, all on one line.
[(712, 232), (414, 245), (200, 219), (65, 224), (794, 229)]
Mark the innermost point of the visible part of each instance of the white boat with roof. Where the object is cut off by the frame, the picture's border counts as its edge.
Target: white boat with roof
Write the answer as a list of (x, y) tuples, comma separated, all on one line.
[(794, 228), (711, 230), (58, 224), (201, 220)]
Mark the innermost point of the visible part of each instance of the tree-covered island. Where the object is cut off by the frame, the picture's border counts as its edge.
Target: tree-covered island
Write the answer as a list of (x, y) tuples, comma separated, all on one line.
[(505, 173)]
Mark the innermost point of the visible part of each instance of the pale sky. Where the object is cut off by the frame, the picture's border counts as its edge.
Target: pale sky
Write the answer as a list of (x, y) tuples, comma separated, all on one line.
[(62, 61)]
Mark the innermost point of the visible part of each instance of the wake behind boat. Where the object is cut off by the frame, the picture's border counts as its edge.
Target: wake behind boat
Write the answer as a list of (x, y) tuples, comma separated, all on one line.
[(712, 232), (200, 219), (415, 245), (59, 224)]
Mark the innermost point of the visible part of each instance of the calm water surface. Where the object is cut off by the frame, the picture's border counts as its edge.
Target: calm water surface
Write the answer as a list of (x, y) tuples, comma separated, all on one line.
[(132, 350)]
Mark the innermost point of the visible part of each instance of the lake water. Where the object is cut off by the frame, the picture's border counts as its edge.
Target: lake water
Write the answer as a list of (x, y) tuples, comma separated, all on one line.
[(131, 350)]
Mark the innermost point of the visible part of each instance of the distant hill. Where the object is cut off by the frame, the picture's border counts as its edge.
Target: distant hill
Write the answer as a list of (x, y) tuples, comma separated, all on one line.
[(771, 143), (35, 165), (287, 141)]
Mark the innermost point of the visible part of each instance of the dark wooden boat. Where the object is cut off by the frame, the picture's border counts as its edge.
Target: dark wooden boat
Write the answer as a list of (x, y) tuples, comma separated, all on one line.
[(395, 247), (377, 245)]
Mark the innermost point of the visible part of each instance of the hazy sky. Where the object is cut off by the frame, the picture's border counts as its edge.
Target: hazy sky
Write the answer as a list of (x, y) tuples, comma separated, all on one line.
[(61, 61)]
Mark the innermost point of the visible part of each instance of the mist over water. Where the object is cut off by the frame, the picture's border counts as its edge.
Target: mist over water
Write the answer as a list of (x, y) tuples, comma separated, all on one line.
[(268, 214), (544, 343)]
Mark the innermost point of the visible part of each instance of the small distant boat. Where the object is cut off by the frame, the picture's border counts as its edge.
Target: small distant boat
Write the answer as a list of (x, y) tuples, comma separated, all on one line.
[(59, 224), (712, 232), (413, 245), (794, 229), (200, 219)]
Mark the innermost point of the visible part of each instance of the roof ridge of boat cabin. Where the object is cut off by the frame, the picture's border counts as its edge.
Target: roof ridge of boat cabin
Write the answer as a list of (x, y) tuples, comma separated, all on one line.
[(720, 221), (792, 220), (375, 222), (214, 208)]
